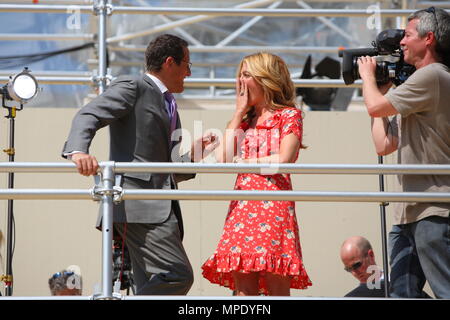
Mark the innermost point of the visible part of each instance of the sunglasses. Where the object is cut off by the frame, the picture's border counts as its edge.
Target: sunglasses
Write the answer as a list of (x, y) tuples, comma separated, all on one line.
[(433, 11), (354, 266), (63, 274)]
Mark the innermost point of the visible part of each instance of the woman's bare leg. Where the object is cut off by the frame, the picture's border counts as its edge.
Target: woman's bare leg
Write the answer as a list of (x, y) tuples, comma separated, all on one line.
[(246, 283), (278, 285)]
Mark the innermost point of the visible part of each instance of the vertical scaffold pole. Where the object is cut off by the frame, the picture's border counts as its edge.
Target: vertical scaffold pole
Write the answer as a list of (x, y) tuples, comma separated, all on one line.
[(101, 9), (384, 234), (108, 177)]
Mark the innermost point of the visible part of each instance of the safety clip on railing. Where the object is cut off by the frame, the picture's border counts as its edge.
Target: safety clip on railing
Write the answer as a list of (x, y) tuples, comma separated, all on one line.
[(99, 190)]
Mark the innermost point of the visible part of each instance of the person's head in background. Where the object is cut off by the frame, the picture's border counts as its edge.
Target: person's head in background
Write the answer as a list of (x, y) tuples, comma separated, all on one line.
[(357, 255), (65, 283)]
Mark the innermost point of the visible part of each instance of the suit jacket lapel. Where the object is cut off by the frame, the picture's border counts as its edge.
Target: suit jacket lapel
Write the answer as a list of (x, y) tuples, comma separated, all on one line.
[(160, 107)]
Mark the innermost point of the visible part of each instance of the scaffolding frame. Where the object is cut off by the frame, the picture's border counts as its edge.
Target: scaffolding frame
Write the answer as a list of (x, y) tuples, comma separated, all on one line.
[(103, 9), (107, 192)]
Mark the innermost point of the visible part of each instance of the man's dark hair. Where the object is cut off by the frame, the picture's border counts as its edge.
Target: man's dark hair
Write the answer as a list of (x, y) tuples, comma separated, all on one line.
[(161, 48)]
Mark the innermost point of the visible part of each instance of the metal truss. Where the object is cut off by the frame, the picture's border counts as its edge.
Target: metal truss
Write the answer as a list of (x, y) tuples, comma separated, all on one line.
[(219, 37)]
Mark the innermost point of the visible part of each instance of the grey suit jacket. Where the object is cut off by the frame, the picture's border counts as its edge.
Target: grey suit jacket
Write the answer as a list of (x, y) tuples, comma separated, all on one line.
[(134, 109)]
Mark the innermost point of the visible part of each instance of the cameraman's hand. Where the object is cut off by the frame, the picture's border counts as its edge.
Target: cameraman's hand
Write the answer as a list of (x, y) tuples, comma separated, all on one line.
[(374, 99), (366, 67)]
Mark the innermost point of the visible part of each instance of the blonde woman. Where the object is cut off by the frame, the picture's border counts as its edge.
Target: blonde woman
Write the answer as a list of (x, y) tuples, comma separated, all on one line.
[(259, 251)]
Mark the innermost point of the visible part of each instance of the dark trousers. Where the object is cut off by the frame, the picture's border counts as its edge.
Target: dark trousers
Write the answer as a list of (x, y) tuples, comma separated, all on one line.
[(420, 252), (159, 261)]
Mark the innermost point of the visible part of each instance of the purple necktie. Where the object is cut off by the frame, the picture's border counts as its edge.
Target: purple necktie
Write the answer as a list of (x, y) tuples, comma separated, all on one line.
[(172, 110)]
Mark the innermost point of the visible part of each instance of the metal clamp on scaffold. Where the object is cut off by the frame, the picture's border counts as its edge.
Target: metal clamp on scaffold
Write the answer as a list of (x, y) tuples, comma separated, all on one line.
[(99, 190), (100, 5), (96, 78), (10, 151)]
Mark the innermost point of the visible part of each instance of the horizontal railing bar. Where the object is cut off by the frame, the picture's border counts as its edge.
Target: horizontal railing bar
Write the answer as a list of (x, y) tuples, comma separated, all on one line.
[(178, 167), (194, 82), (53, 2), (58, 80), (37, 167), (260, 12), (169, 194), (50, 73), (46, 194), (240, 49), (42, 8), (195, 64), (322, 196), (45, 37), (86, 9), (305, 83)]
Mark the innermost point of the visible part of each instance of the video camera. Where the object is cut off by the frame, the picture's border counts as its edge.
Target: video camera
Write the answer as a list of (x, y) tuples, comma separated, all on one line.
[(386, 50)]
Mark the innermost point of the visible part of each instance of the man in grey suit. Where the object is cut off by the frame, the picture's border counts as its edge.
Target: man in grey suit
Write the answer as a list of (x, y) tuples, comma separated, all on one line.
[(141, 114)]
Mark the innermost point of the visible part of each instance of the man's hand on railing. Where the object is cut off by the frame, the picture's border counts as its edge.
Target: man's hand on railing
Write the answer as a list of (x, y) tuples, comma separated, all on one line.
[(87, 165)]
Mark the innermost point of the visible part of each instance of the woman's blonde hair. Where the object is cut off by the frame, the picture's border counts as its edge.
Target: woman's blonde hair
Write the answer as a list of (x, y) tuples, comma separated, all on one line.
[(272, 73)]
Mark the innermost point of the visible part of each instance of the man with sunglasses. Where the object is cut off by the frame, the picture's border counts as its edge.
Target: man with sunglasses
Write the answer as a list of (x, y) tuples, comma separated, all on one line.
[(419, 243), (142, 116), (359, 259)]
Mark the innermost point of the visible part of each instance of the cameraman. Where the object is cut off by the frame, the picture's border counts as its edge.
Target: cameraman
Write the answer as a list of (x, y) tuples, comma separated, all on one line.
[(419, 242)]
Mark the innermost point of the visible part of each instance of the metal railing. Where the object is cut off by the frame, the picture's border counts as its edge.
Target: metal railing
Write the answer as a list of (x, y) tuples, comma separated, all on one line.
[(108, 193), (89, 9), (192, 82)]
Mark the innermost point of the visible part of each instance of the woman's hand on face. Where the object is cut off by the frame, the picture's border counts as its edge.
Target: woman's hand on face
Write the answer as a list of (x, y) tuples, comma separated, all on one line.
[(241, 97)]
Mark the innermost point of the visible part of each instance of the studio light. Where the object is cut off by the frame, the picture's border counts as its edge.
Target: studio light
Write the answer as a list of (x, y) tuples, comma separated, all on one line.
[(21, 88), (319, 98)]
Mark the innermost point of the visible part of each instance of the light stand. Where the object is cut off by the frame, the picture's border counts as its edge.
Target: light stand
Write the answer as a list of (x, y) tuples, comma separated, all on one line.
[(8, 278), (384, 234), (21, 88)]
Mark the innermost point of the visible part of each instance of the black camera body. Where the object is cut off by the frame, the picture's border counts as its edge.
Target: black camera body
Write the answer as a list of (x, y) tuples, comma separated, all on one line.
[(389, 55)]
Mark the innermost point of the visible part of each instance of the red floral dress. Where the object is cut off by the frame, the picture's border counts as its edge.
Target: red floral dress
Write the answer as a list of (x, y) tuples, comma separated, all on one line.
[(261, 236)]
